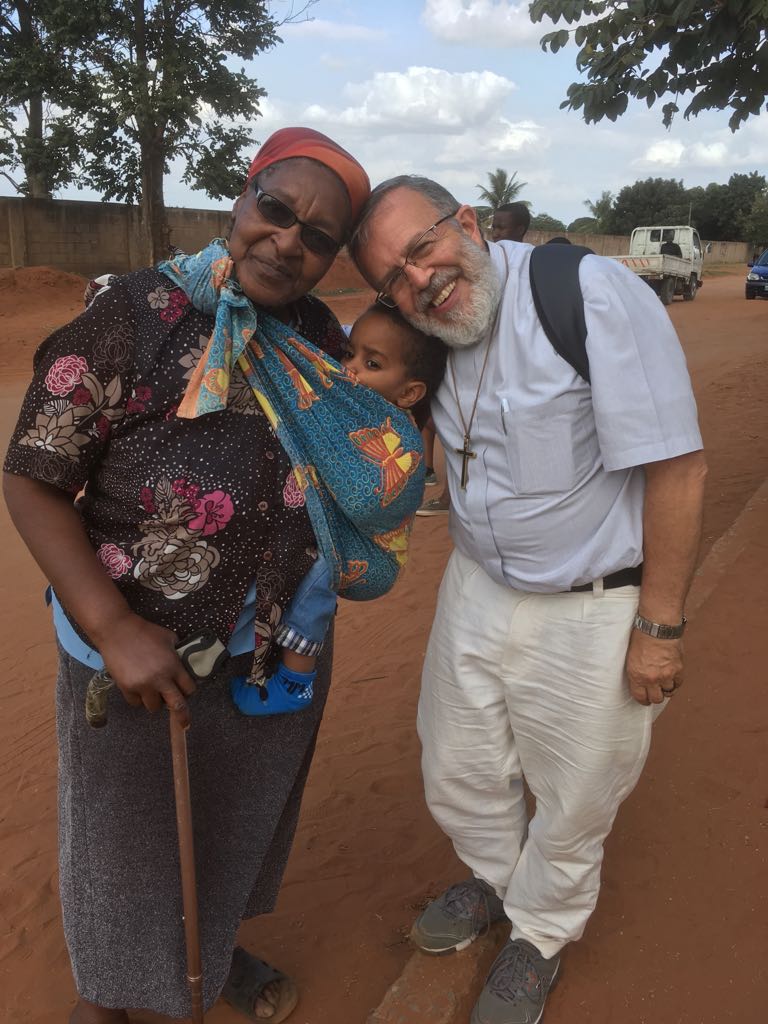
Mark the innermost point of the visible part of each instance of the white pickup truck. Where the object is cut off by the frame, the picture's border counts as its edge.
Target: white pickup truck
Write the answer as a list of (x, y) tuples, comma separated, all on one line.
[(668, 258)]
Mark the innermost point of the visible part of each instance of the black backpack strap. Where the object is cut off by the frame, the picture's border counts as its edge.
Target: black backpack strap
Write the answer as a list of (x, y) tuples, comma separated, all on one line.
[(554, 275)]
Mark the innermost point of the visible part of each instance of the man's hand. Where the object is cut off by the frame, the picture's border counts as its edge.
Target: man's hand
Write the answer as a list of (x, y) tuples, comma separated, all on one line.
[(654, 667)]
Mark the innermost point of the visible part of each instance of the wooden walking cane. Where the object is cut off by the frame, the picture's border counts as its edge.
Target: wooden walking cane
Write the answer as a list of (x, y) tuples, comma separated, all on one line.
[(202, 655), (187, 862)]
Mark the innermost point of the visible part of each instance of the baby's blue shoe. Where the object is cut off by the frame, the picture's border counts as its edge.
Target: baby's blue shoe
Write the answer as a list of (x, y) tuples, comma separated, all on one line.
[(283, 692)]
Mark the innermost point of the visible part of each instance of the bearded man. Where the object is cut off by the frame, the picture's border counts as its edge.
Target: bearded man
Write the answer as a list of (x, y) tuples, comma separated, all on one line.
[(575, 515)]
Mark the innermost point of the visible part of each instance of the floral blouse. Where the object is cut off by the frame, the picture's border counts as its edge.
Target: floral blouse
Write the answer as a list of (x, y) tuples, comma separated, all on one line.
[(184, 515)]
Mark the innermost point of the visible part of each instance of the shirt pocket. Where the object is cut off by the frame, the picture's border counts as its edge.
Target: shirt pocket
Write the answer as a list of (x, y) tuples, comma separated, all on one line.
[(552, 447)]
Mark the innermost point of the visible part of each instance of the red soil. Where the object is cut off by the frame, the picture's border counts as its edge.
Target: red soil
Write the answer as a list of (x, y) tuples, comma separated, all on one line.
[(677, 937)]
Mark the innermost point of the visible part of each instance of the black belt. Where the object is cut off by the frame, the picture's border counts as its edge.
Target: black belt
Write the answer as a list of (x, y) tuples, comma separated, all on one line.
[(623, 578)]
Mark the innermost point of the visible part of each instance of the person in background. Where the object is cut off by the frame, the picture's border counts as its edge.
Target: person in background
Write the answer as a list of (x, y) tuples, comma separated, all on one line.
[(428, 440), (576, 516), (670, 248), (510, 222)]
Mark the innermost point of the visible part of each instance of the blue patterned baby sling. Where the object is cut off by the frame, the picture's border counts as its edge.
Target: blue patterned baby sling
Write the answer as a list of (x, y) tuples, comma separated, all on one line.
[(356, 457)]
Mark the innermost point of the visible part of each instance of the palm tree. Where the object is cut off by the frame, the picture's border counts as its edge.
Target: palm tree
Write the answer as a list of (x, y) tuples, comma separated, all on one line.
[(501, 188), (600, 209)]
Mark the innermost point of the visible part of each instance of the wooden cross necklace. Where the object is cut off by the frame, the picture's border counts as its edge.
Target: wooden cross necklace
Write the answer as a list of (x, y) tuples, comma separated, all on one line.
[(465, 451)]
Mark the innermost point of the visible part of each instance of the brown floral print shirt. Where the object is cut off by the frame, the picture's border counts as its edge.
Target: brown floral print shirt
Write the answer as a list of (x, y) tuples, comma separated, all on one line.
[(183, 514)]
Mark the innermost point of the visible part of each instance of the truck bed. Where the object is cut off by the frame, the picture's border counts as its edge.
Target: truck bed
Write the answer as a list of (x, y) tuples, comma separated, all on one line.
[(657, 266)]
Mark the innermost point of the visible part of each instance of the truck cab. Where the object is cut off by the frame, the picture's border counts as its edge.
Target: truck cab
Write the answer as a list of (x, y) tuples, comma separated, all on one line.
[(655, 241)]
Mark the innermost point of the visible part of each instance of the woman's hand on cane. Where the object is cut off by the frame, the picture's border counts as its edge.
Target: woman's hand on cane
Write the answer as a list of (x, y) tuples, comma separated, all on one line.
[(142, 660)]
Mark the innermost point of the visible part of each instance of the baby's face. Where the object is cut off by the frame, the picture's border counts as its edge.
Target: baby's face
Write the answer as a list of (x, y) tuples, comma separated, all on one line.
[(374, 354)]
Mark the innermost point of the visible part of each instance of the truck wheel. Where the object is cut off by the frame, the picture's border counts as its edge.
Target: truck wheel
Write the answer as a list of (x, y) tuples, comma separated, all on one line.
[(667, 290), (689, 292)]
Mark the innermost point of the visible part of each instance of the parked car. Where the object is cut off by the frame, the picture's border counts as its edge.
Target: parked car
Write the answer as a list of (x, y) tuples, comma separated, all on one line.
[(757, 278), (668, 258)]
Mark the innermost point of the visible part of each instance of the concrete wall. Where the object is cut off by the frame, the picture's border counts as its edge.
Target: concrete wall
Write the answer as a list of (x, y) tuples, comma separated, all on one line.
[(603, 245), (93, 238), (618, 245)]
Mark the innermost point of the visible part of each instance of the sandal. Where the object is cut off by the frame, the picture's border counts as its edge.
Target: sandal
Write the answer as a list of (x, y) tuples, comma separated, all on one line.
[(248, 977)]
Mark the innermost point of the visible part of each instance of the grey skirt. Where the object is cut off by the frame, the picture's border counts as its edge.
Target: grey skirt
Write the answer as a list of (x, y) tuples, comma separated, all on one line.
[(118, 854)]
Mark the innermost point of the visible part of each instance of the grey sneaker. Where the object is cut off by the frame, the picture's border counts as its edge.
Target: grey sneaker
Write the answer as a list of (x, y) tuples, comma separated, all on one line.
[(456, 918), (517, 986), (430, 478)]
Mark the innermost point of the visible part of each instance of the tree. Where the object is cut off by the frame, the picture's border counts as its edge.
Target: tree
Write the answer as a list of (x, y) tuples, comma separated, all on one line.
[(501, 189), (38, 82), (543, 222), (713, 51), (600, 209), (756, 221), (653, 201), (152, 84), (720, 212), (584, 226), (168, 93)]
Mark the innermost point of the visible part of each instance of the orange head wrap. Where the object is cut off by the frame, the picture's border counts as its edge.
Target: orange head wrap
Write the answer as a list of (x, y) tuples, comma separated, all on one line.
[(292, 142)]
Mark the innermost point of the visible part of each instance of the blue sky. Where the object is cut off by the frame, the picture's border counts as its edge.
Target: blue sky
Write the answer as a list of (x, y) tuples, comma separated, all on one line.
[(456, 88)]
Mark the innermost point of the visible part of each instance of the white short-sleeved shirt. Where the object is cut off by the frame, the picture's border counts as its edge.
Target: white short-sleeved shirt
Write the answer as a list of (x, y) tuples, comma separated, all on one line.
[(555, 494)]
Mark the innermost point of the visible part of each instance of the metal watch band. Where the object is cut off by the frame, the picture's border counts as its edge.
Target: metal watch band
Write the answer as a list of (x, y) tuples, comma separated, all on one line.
[(657, 629)]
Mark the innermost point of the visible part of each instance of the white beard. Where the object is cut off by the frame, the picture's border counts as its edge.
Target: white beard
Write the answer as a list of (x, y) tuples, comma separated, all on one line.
[(464, 326)]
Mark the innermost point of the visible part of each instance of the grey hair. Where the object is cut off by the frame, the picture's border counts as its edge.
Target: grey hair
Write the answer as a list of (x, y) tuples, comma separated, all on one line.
[(442, 200)]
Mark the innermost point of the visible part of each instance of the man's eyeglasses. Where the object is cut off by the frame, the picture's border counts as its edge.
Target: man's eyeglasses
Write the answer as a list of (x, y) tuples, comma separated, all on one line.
[(420, 250), (282, 216)]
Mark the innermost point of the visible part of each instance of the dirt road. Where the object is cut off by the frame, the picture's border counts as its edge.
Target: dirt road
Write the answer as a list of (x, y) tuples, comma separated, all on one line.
[(678, 937)]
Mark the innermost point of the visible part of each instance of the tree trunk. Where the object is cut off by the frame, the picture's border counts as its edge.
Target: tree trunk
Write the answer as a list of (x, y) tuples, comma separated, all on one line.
[(32, 148), (156, 235), (37, 180)]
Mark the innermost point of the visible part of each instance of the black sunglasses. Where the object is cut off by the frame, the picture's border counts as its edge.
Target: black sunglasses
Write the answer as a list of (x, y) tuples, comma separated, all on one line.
[(282, 216)]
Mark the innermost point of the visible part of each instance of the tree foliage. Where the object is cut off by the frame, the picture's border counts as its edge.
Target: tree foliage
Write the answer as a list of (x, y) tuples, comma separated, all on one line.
[(756, 221), (544, 222), (713, 52), (600, 209), (150, 81), (652, 201), (501, 189), (584, 226), (720, 212), (39, 83)]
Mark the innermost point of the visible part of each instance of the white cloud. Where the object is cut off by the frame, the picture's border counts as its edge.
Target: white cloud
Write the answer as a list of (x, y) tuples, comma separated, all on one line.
[(317, 28), (667, 153), (495, 142), (424, 100), (483, 22)]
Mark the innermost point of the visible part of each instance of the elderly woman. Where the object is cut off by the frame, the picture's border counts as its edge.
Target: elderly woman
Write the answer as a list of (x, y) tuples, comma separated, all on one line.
[(181, 408)]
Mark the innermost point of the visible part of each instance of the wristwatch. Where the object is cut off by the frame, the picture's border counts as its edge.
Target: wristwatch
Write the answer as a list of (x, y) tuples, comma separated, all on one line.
[(657, 630)]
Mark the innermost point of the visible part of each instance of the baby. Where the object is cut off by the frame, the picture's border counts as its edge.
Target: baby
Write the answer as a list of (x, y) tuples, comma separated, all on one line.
[(406, 367)]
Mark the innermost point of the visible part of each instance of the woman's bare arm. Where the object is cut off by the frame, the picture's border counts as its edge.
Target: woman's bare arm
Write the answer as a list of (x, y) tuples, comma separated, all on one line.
[(139, 655)]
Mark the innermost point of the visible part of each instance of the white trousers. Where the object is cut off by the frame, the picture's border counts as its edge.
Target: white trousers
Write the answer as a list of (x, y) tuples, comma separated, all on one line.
[(530, 685)]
